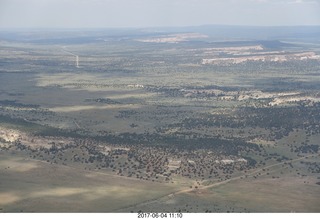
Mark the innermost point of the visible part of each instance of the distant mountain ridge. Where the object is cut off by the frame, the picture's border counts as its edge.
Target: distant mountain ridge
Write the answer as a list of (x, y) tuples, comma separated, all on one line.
[(267, 34)]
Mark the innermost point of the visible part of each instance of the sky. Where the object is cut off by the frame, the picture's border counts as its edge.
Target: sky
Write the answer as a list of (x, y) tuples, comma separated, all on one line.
[(155, 13)]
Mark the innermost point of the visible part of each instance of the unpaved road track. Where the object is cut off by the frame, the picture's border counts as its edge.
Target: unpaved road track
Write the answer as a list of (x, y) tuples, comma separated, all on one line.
[(186, 190)]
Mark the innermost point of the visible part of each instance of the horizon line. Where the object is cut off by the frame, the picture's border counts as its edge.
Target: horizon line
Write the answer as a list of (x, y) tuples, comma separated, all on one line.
[(160, 27)]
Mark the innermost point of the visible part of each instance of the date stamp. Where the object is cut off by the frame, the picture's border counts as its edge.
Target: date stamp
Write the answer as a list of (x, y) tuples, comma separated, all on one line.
[(160, 215)]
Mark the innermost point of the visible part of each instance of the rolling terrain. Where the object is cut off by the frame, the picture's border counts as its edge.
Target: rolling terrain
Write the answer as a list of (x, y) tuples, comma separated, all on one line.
[(160, 121)]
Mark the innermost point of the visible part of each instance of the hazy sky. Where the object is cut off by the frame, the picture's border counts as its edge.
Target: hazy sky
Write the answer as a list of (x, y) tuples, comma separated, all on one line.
[(146, 13)]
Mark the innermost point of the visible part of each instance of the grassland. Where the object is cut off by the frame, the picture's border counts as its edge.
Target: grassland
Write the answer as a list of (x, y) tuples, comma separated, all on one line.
[(147, 126), (33, 186)]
